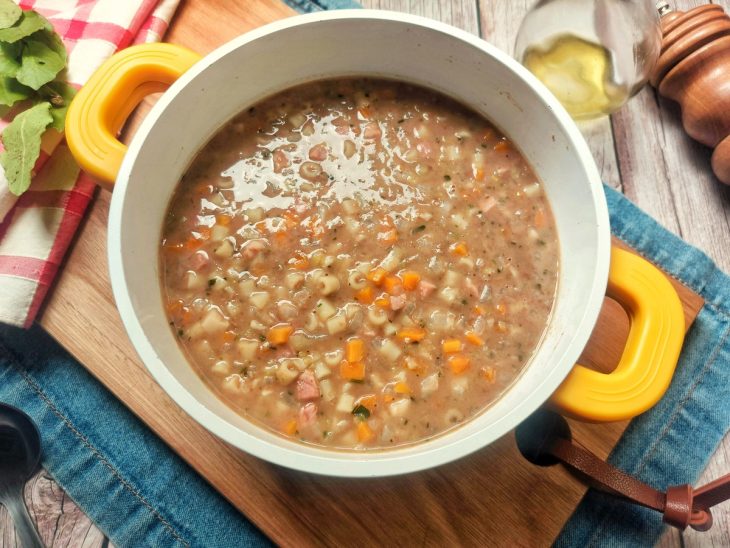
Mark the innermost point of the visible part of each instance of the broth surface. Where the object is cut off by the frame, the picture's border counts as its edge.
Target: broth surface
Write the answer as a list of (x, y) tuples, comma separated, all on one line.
[(359, 263)]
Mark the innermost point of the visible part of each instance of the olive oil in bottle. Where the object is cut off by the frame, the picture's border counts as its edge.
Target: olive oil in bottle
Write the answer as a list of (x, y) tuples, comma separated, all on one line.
[(580, 74)]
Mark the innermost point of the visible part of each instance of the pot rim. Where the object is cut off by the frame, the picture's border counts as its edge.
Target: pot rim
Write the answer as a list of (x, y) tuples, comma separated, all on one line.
[(371, 463)]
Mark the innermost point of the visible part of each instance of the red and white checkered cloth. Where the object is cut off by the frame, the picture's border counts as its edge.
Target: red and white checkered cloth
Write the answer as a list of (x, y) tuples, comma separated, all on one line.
[(37, 228)]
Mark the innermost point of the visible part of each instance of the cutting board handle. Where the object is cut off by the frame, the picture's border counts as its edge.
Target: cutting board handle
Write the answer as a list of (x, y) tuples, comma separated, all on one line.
[(99, 110), (650, 356)]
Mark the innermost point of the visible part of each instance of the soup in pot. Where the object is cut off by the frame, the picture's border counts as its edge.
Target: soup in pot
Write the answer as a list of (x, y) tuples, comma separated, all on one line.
[(359, 263)]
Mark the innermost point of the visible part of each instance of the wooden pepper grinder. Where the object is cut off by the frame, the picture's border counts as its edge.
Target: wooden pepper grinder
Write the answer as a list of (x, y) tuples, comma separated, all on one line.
[(694, 69)]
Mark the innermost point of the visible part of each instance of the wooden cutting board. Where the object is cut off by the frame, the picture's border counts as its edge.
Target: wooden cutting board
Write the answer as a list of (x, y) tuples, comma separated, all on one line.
[(493, 495)]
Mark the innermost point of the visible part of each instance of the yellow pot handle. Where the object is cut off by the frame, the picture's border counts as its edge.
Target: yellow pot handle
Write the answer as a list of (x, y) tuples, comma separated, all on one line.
[(102, 105), (652, 348)]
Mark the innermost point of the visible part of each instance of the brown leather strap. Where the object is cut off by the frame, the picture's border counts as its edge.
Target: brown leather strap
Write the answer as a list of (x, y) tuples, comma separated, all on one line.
[(544, 439)]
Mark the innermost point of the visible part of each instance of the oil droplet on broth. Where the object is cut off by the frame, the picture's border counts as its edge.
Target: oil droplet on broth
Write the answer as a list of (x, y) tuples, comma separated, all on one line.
[(579, 73)]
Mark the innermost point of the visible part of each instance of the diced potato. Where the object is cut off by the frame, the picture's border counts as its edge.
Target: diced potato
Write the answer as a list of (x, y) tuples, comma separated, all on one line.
[(327, 390), (345, 403), (392, 260), (194, 281), (219, 232), (321, 370), (449, 294), (255, 214), (452, 278), (247, 349), (233, 384), (246, 287), (429, 385), (221, 367), (299, 341), (459, 385), (400, 407), (214, 322)]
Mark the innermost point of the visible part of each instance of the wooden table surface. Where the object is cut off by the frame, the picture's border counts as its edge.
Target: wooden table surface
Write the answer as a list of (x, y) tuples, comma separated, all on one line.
[(641, 151)]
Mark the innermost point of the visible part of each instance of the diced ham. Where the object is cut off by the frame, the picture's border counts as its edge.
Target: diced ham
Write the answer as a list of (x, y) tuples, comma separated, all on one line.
[(252, 248), (425, 288), (318, 152), (471, 288), (307, 415), (397, 302), (280, 161), (372, 131), (307, 388), (486, 204), (198, 261)]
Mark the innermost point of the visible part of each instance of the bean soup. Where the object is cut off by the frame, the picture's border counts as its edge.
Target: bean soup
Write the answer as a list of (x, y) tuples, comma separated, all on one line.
[(359, 263)]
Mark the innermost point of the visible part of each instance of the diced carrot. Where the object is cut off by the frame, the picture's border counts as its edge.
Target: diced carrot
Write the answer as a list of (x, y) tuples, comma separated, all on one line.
[(393, 285), (279, 334), (451, 346), (280, 237), (355, 350), (203, 232), (377, 276), (173, 307), (478, 309), (354, 371), (501, 308), (186, 315), (290, 428), (501, 327), (383, 302), (502, 146), (364, 432), (299, 263), (370, 401), (488, 373), (387, 398), (365, 295), (458, 364), (460, 249), (540, 219), (223, 219), (389, 236), (410, 280), (192, 244), (365, 112), (479, 173), (401, 388), (229, 336), (473, 338), (261, 226), (411, 333)]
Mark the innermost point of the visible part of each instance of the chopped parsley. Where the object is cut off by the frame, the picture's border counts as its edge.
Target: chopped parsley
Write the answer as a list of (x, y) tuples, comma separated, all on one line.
[(361, 412)]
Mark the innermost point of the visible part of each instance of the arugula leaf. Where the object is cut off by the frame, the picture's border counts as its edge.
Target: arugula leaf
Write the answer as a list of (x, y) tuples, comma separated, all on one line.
[(29, 23), (11, 91), (59, 94), (22, 141), (10, 12), (39, 64), (361, 412), (9, 62)]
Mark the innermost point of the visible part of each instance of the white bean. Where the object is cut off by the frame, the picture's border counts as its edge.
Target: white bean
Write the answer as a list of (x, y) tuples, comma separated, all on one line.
[(333, 358), (328, 284), (389, 350), (356, 280), (337, 324), (259, 299), (294, 280)]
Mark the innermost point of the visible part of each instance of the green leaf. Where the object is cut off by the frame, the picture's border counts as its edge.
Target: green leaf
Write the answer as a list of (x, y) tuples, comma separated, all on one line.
[(39, 64), (361, 412), (22, 141), (9, 62), (11, 91), (29, 23), (59, 94), (52, 41), (10, 12)]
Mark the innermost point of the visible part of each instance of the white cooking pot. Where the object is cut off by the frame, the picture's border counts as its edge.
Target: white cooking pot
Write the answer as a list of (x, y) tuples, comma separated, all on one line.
[(204, 93)]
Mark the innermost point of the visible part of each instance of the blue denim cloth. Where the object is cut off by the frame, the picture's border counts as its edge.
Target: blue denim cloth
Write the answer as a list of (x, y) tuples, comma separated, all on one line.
[(671, 444), (141, 494)]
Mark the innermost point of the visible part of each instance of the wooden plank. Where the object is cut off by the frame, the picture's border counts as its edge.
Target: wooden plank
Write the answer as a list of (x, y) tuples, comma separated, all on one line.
[(189, 29)]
